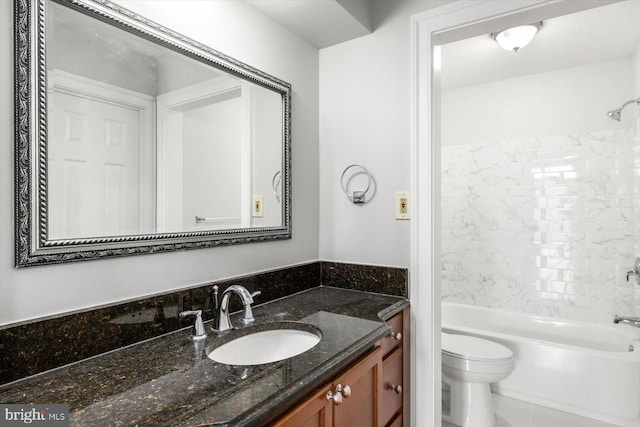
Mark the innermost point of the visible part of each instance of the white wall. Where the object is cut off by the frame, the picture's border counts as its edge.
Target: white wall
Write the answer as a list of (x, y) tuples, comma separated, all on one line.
[(554, 103), (364, 119), (232, 28)]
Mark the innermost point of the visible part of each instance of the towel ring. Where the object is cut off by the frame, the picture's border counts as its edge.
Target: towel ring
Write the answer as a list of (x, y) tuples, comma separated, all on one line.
[(276, 182), (357, 197)]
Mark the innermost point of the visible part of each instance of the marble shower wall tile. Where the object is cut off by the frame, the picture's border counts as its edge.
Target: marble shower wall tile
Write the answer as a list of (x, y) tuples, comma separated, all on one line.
[(543, 225)]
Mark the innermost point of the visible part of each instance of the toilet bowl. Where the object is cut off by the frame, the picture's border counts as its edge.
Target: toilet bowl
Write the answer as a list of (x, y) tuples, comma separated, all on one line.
[(469, 366)]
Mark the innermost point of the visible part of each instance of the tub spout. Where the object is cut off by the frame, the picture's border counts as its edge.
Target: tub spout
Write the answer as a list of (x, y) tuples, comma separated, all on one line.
[(633, 321)]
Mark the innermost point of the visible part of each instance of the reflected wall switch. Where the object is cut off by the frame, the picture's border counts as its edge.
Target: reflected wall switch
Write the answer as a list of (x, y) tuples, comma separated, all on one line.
[(257, 206), (402, 205)]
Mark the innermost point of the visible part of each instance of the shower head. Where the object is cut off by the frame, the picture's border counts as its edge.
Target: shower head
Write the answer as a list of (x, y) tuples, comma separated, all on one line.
[(617, 113)]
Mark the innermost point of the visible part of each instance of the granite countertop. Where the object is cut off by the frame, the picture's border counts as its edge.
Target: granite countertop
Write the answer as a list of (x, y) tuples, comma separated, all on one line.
[(170, 380)]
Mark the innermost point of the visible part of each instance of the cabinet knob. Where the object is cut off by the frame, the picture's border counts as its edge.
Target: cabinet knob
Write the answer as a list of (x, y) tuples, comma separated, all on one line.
[(342, 391), (336, 397), (345, 390), (397, 388), (395, 335)]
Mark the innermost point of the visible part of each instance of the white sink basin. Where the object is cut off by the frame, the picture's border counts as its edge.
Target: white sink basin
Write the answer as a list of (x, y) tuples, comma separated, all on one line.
[(266, 346)]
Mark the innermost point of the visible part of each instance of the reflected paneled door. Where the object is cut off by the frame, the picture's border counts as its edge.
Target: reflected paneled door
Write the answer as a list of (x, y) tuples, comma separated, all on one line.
[(93, 156)]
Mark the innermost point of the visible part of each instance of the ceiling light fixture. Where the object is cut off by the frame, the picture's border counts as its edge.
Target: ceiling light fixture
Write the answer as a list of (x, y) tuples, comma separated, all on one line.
[(516, 38)]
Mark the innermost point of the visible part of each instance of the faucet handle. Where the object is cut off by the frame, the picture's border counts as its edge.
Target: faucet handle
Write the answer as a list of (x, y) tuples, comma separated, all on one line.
[(198, 332), (247, 314)]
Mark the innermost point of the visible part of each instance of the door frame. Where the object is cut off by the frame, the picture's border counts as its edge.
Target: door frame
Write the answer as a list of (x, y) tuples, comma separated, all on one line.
[(429, 30)]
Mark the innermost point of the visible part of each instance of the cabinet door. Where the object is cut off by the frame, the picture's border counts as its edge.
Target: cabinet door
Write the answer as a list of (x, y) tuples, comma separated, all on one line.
[(361, 408), (316, 411)]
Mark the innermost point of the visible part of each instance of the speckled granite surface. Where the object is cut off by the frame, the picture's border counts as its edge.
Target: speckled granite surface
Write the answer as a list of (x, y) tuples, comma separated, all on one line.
[(169, 381), (30, 348), (37, 346), (369, 278)]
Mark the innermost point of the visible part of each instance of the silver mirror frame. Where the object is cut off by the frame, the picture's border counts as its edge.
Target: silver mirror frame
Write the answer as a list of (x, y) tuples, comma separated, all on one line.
[(32, 247)]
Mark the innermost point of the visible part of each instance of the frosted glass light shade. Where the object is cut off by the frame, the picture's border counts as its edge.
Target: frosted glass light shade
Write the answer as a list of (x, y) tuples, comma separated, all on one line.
[(516, 38)]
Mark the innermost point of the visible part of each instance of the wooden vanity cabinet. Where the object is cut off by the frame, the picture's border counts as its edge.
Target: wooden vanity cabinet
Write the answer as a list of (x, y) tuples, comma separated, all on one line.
[(315, 411), (378, 382), (394, 397), (329, 406)]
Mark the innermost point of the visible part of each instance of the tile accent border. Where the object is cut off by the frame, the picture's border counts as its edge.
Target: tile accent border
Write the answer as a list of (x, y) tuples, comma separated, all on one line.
[(30, 348)]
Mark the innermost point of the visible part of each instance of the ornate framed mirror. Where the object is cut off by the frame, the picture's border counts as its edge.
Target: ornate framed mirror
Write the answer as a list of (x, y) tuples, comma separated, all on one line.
[(133, 139)]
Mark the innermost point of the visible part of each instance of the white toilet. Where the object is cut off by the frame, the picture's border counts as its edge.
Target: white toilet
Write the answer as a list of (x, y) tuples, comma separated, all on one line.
[(469, 365)]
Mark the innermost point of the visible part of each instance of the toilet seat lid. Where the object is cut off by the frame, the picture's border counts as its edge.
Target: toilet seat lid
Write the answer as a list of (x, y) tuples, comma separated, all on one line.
[(472, 348)]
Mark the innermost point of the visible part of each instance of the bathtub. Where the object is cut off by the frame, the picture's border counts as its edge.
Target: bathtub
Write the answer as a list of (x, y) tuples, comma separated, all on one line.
[(587, 369)]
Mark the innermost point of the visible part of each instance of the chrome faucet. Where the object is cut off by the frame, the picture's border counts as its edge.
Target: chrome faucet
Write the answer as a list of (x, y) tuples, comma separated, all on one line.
[(633, 321), (223, 323)]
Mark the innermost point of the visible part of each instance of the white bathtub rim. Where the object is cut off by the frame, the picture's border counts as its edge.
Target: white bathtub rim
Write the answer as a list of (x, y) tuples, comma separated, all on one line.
[(631, 334), (630, 330), (626, 356)]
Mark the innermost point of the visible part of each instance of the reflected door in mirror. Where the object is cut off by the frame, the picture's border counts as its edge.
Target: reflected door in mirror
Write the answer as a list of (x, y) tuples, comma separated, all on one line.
[(95, 157)]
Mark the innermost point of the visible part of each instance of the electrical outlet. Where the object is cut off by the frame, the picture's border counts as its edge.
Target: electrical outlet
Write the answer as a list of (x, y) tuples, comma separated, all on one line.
[(257, 206), (402, 205)]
